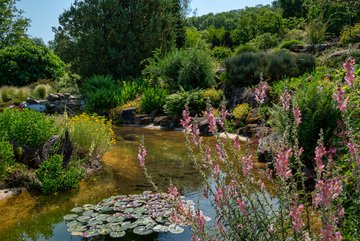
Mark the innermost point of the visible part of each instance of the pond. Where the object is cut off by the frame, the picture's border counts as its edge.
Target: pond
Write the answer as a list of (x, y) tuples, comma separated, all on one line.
[(35, 217)]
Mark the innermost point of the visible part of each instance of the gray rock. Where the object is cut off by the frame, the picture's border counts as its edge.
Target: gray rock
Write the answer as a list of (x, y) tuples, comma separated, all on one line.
[(127, 116), (268, 147), (37, 107), (32, 101), (142, 119), (253, 130), (53, 97), (167, 122)]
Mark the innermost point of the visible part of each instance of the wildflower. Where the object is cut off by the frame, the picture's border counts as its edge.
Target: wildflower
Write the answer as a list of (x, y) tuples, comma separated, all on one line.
[(282, 164), (241, 204), (247, 165), (350, 71), (328, 234), (320, 151), (285, 100), (219, 152), (295, 214), (237, 143), (354, 151), (211, 121), (215, 168), (260, 92), (219, 196), (185, 122), (200, 220), (173, 192), (339, 97), (195, 134), (141, 155), (327, 191), (297, 115)]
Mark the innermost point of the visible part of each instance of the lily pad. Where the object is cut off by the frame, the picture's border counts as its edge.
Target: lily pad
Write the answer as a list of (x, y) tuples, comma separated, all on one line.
[(126, 225), (88, 207), (102, 217), (73, 224), (83, 219), (117, 234), (77, 229), (88, 213), (70, 217), (113, 219), (77, 210), (176, 229), (160, 229), (142, 230), (105, 230), (95, 222), (91, 233)]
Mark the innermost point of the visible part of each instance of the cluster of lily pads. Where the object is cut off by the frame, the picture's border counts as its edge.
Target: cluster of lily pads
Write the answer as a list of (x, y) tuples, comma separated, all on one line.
[(143, 214)]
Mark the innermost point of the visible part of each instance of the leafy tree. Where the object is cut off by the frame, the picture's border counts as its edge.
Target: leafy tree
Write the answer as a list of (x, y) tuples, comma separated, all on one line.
[(114, 37), (292, 8), (12, 25)]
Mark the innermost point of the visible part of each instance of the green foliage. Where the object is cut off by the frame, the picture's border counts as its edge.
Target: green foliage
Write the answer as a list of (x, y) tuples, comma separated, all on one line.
[(215, 96), (41, 91), (26, 63), (153, 99), (10, 93), (175, 103), (189, 68), (118, 38), (68, 84), (54, 177), (246, 48), (221, 53), (18, 175), (247, 68), (241, 111), (289, 43), (350, 35), (295, 8), (316, 29), (13, 25), (26, 127), (264, 41), (6, 157)]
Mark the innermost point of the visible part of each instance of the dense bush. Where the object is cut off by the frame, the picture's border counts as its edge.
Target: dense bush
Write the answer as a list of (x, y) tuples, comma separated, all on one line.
[(241, 111), (26, 127), (264, 41), (189, 68), (246, 48), (215, 96), (26, 62), (247, 68), (41, 91), (10, 93), (92, 135), (54, 177), (153, 99), (221, 53), (175, 103), (350, 35), (68, 84), (289, 43), (6, 157)]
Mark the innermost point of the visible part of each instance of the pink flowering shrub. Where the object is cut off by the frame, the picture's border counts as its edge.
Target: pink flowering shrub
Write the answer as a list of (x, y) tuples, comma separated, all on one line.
[(287, 208)]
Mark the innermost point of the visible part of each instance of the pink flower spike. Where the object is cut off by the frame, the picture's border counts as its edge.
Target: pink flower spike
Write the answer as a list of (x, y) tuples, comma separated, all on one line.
[(211, 121), (339, 97), (173, 192), (195, 134), (350, 71), (237, 143), (295, 214), (219, 195), (185, 122), (242, 206), (297, 115), (219, 152), (320, 151), (282, 164), (247, 165), (141, 155), (285, 100), (260, 92)]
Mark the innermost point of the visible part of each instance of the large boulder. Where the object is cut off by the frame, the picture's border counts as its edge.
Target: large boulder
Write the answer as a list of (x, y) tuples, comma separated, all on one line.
[(127, 116), (254, 130), (142, 120), (166, 122), (204, 127), (268, 147), (253, 116)]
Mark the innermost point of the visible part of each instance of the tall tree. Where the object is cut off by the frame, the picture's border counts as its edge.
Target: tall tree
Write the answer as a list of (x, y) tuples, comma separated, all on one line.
[(114, 37), (12, 25), (292, 8)]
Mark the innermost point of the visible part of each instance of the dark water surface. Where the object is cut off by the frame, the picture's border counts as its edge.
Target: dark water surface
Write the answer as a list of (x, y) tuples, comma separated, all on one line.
[(35, 217)]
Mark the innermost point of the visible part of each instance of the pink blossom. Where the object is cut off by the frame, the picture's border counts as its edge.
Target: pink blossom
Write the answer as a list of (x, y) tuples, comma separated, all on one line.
[(215, 168), (242, 206), (141, 155), (282, 164), (219, 196), (247, 165), (186, 121), (327, 191), (350, 71), (260, 92), (328, 234), (320, 151), (295, 214), (285, 100), (173, 192), (200, 220), (237, 143), (195, 134), (339, 97), (211, 121), (297, 115), (224, 114), (219, 152)]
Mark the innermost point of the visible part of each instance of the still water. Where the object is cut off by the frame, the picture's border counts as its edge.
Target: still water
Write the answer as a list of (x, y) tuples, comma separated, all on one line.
[(35, 217)]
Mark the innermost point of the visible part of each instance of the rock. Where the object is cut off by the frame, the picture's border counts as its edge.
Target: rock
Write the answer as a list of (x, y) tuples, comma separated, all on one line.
[(204, 127), (67, 96), (268, 147), (53, 97), (253, 130), (36, 107), (61, 96), (167, 122), (31, 101), (142, 120), (154, 114), (253, 117), (127, 116), (311, 48)]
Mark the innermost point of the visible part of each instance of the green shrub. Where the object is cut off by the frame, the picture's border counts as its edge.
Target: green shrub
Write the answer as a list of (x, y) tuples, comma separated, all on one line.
[(10, 93), (26, 62), (189, 68), (18, 175), (115, 113), (153, 99), (264, 41), (175, 103), (54, 177), (350, 35), (68, 84), (6, 157), (26, 127), (221, 53), (247, 68), (246, 48), (289, 43), (41, 91), (241, 111), (215, 96)]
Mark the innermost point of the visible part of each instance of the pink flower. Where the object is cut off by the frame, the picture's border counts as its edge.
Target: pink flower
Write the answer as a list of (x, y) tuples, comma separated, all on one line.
[(282, 164), (211, 121), (320, 151), (328, 233), (350, 71), (215, 168), (285, 100), (219, 152), (247, 165), (200, 220), (141, 155), (260, 92), (295, 214), (186, 121), (173, 192), (297, 115), (219, 196), (224, 113), (242, 206), (195, 134), (237, 143), (327, 191), (339, 97)]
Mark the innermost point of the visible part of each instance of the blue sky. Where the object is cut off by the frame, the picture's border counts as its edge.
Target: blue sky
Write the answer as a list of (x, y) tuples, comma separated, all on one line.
[(44, 13)]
